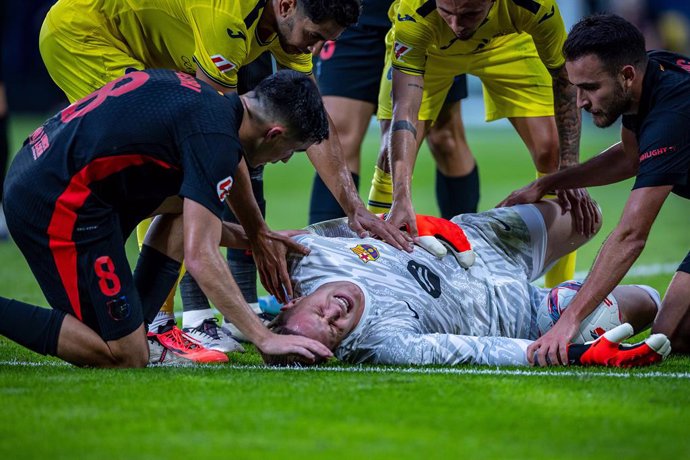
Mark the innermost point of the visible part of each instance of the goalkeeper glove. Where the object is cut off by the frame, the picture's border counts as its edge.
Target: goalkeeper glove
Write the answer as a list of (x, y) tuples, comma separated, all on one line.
[(608, 350), (436, 233)]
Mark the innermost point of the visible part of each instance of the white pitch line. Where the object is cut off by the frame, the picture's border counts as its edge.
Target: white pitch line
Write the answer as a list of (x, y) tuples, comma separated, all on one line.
[(642, 270), (406, 370)]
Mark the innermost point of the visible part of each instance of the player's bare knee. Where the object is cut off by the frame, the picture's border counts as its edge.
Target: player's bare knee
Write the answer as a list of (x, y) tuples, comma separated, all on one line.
[(131, 357), (545, 156), (636, 305)]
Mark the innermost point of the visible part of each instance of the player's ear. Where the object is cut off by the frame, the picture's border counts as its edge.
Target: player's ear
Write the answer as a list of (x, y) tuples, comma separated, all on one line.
[(287, 7), (628, 73), (290, 304), (274, 132)]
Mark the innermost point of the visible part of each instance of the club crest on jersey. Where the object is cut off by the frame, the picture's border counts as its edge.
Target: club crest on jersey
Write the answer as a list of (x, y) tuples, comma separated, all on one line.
[(222, 64), (400, 49), (223, 187), (366, 252)]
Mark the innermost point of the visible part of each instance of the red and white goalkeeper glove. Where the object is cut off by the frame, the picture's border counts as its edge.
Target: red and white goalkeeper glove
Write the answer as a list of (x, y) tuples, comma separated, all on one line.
[(608, 350), (435, 233)]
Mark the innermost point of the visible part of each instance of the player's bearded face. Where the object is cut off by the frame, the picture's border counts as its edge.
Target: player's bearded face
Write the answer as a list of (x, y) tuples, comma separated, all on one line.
[(598, 91), (297, 33), (612, 107), (464, 16)]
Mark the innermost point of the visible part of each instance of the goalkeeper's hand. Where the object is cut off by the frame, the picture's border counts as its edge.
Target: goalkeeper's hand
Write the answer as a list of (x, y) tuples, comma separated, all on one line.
[(608, 350), (435, 233)]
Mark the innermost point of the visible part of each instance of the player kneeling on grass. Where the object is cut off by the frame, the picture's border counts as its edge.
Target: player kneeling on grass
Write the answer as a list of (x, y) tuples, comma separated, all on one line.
[(370, 303), (150, 142)]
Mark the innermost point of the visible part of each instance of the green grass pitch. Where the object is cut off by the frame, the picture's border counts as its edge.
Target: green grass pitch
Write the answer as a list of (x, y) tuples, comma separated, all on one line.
[(49, 410)]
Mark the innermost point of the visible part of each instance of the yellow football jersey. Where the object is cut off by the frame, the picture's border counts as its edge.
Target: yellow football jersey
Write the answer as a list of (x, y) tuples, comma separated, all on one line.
[(217, 36), (419, 32)]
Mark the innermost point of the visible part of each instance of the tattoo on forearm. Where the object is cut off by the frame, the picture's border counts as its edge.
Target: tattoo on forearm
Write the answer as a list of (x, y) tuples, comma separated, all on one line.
[(404, 125), (568, 119)]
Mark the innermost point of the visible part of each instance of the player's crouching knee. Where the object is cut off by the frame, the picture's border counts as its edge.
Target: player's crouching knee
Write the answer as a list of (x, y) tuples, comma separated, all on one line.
[(132, 357)]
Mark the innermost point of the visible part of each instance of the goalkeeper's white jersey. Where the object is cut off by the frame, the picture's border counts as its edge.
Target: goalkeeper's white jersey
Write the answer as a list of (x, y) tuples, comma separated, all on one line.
[(422, 310)]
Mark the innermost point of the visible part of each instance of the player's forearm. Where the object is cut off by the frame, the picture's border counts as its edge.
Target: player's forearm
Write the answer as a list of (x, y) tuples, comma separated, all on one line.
[(402, 158), (608, 167), (568, 120), (211, 272), (617, 255), (328, 160), (406, 101), (243, 203), (234, 236)]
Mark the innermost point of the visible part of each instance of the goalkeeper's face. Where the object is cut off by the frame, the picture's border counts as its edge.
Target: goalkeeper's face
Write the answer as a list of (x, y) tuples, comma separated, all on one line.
[(328, 314)]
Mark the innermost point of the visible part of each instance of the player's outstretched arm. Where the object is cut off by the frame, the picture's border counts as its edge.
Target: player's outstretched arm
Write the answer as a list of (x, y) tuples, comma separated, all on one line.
[(329, 162), (202, 236), (608, 350), (404, 141)]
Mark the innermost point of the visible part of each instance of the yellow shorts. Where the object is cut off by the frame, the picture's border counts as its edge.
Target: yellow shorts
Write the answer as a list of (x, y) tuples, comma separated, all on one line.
[(79, 51), (514, 79)]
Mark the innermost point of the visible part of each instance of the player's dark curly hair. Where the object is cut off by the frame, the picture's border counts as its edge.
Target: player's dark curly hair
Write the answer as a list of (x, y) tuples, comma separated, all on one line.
[(615, 41), (293, 99), (343, 12)]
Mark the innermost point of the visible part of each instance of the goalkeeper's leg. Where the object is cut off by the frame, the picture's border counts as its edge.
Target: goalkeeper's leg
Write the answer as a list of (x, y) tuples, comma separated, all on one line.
[(564, 268), (562, 239)]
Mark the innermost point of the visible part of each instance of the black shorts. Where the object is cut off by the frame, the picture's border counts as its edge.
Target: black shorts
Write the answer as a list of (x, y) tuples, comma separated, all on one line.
[(352, 66), (685, 264), (87, 275)]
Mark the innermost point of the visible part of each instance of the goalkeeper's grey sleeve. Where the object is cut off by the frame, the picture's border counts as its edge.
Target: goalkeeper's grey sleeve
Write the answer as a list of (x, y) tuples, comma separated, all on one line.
[(333, 228), (449, 349)]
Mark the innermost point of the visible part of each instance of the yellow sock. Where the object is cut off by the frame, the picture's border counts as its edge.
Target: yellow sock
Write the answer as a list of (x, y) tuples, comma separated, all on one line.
[(564, 269), (169, 305), (381, 192)]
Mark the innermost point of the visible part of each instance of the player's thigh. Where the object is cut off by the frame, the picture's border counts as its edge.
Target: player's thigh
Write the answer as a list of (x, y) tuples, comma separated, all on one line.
[(540, 135), (351, 118), (514, 79), (351, 66), (561, 235), (446, 136), (437, 82), (87, 276), (81, 55)]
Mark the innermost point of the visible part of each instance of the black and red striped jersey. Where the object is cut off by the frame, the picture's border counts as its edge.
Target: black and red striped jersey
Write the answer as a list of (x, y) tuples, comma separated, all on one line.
[(660, 124), (141, 138)]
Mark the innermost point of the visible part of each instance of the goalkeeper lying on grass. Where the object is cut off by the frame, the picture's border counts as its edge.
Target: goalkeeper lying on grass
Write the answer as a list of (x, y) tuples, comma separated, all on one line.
[(371, 303)]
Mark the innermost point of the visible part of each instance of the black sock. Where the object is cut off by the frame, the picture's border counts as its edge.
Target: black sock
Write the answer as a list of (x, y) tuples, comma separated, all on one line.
[(4, 152), (243, 269), (193, 298), (457, 195), (154, 277), (33, 327), (323, 205)]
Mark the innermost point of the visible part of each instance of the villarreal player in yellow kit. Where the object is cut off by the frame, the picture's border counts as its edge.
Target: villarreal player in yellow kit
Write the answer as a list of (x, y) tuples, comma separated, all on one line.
[(87, 43), (514, 47)]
